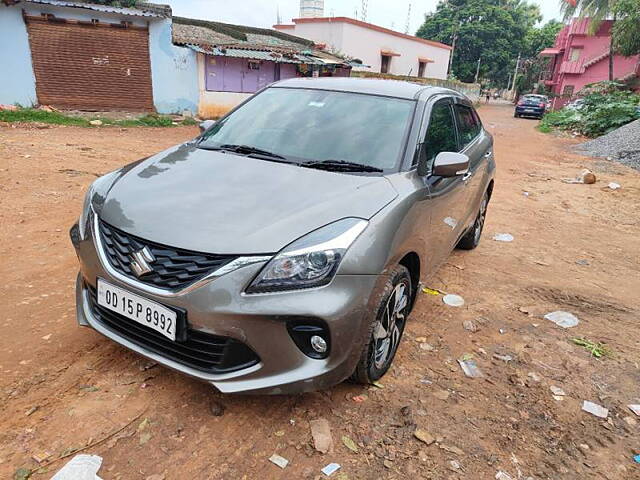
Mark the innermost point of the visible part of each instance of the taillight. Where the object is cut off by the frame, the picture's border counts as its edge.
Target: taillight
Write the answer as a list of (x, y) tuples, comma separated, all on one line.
[(542, 105)]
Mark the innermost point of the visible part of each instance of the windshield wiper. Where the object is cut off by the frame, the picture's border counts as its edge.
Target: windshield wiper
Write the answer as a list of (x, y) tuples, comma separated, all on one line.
[(341, 165), (249, 150)]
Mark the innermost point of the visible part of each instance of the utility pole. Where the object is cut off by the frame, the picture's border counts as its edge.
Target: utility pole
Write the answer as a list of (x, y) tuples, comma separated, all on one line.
[(515, 75), (453, 49), (408, 24), (477, 70)]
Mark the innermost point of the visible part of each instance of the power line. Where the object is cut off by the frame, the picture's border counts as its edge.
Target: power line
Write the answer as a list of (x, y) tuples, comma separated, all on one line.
[(408, 24)]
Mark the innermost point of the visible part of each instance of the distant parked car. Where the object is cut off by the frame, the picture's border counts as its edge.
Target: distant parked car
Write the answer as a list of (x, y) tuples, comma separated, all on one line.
[(576, 104), (282, 250), (531, 106)]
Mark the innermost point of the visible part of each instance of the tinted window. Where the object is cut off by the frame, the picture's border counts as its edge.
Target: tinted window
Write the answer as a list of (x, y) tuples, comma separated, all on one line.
[(308, 125), (468, 125), (441, 133)]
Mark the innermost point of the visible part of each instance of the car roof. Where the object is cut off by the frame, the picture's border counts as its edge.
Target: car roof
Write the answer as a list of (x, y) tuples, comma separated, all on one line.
[(388, 88)]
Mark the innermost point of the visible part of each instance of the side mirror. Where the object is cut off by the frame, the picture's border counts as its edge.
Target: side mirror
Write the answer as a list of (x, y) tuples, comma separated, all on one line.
[(206, 125), (450, 164)]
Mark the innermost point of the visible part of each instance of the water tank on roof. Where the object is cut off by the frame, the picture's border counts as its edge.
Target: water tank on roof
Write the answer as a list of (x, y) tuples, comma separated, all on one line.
[(311, 8)]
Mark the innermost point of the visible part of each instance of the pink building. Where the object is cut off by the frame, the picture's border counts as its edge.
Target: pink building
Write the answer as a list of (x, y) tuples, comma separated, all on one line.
[(578, 59)]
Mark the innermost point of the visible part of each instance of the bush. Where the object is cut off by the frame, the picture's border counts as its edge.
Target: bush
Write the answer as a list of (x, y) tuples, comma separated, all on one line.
[(607, 106)]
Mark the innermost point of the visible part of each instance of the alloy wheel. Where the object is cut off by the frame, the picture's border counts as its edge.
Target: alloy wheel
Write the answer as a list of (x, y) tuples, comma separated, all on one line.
[(480, 220), (388, 330)]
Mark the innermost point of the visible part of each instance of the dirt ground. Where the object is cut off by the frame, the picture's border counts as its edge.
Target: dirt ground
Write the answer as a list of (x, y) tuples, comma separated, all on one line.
[(576, 248)]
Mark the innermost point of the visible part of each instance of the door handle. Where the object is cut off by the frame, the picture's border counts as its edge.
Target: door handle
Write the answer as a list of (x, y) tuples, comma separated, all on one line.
[(488, 154), (467, 176)]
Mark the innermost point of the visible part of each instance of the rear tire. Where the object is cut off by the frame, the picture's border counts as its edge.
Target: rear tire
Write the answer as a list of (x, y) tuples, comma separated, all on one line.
[(472, 238), (386, 328), (516, 115)]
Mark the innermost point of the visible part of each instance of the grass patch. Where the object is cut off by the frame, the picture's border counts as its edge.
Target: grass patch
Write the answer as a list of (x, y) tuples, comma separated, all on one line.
[(598, 350), (544, 128), (34, 115)]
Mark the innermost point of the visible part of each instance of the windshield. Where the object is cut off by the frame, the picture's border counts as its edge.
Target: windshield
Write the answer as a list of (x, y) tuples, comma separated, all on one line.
[(316, 125), (536, 98)]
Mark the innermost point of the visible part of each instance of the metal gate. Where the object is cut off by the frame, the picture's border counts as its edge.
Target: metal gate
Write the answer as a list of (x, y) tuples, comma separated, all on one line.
[(90, 65)]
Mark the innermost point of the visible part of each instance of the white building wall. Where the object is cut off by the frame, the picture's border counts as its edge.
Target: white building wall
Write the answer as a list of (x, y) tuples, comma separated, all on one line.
[(366, 44), (330, 34)]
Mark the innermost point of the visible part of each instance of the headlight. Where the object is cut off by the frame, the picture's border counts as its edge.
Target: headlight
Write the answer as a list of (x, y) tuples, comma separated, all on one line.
[(84, 215), (310, 261), (97, 188)]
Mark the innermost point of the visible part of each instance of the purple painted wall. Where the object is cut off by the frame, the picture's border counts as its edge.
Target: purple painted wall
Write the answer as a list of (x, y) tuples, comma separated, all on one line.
[(288, 70), (226, 74)]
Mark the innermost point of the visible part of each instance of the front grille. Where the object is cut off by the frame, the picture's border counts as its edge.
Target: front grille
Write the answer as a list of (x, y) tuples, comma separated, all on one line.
[(173, 268), (200, 351)]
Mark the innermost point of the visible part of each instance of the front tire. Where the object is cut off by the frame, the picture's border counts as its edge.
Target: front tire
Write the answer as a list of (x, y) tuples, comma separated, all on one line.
[(472, 238), (386, 328)]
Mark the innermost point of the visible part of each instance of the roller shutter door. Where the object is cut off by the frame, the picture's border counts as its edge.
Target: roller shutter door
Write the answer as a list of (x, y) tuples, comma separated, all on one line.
[(91, 67)]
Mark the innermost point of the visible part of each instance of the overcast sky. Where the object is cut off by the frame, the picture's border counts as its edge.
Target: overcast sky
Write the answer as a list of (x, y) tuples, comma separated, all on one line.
[(262, 13)]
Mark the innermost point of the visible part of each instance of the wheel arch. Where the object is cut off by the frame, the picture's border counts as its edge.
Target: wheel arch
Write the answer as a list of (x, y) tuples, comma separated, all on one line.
[(411, 261), (490, 188)]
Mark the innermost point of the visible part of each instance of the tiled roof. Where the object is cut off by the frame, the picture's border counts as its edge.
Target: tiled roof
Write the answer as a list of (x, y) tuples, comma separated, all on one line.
[(240, 41), (140, 8), (204, 32)]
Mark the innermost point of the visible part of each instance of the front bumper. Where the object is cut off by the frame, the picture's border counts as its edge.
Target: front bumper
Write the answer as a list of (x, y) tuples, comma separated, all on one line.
[(528, 111), (259, 321)]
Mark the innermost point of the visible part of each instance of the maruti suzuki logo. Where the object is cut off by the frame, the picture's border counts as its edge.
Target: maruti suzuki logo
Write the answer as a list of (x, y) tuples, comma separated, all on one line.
[(140, 261)]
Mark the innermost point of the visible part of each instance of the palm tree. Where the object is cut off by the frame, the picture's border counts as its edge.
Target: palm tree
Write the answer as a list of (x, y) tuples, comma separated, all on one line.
[(597, 11)]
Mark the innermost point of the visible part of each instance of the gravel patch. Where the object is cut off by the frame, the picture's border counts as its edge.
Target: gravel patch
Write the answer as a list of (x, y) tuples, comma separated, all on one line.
[(621, 145)]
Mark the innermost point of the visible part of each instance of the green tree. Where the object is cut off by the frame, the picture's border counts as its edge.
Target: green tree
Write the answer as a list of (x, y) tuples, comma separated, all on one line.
[(490, 30), (536, 40), (539, 38), (626, 31)]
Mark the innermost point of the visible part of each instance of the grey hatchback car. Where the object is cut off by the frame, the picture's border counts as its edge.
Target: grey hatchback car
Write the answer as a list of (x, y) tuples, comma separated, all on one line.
[(281, 250)]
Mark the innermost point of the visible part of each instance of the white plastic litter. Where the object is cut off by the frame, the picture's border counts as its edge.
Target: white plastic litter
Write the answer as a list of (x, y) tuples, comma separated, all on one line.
[(595, 409), (503, 476), (563, 319), (453, 300), (614, 186), (557, 391), (330, 469), (503, 237), (470, 368), (80, 467), (278, 460), (635, 409)]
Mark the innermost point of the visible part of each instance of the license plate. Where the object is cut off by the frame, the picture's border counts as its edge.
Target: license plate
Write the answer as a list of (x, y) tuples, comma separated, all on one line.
[(137, 308), (529, 110)]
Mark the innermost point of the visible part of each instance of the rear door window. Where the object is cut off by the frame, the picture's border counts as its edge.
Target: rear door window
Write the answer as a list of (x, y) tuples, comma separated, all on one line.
[(441, 133), (468, 125)]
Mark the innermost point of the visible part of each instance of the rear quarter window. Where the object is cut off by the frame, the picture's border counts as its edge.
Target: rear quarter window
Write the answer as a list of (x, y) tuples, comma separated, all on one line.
[(469, 125)]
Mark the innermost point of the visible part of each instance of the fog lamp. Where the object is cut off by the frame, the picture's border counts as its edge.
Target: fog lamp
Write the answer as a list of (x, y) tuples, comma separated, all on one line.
[(318, 344)]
